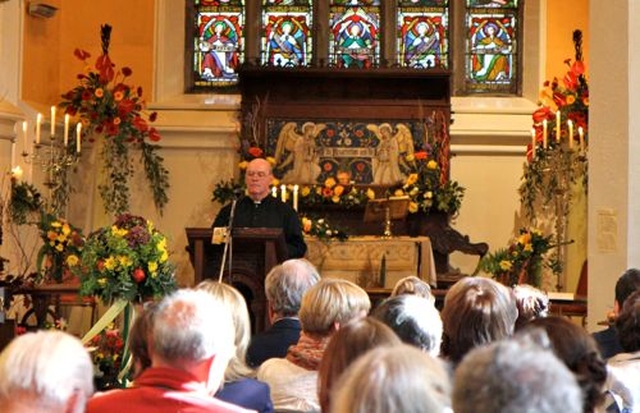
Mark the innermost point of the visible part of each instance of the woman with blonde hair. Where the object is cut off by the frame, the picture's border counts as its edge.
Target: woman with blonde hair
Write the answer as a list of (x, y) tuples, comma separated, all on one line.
[(240, 386)]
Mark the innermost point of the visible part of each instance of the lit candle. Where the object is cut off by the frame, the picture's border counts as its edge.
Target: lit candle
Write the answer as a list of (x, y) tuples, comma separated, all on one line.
[(24, 134), (17, 172), (283, 193), (544, 133), (533, 143), (558, 125), (581, 135), (53, 121), (78, 136), (13, 153), (66, 129), (295, 198), (274, 191), (38, 126), (570, 126)]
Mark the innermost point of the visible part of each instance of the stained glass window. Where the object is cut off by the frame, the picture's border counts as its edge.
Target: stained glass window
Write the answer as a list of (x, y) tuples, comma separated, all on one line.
[(423, 34), (354, 40), (491, 52), (219, 43), (286, 32)]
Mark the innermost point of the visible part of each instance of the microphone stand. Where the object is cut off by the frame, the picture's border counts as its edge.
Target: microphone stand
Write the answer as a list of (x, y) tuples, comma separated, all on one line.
[(228, 245)]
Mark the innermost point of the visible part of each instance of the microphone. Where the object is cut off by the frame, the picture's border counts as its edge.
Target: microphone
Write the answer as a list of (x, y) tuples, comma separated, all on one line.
[(238, 193)]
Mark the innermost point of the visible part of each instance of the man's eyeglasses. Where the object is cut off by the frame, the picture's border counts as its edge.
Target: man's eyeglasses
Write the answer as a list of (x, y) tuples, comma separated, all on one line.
[(259, 174)]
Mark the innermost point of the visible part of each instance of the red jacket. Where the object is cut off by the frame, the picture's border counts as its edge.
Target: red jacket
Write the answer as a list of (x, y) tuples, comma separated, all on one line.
[(161, 390)]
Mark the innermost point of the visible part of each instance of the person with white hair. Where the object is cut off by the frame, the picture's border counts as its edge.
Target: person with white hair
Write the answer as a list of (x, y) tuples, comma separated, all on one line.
[(192, 343), (47, 371)]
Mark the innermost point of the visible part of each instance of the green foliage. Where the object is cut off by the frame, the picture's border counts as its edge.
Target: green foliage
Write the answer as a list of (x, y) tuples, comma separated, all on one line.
[(25, 201)]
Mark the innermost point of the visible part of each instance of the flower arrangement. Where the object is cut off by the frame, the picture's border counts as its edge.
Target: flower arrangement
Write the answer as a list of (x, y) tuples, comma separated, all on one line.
[(335, 191), (107, 105), (107, 351), (322, 229), (523, 260), (61, 249), (127, 260)]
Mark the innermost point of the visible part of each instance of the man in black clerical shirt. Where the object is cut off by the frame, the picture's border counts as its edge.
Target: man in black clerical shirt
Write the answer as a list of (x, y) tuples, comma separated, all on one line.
[(260, 209)]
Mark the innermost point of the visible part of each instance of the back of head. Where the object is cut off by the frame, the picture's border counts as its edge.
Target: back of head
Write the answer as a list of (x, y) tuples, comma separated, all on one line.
[(140, 338), (191, 326), (332, 302), (393, 379), (235, 302), (574, 346), (412, 285), (476, 311), (531, 302), (45, 371), (286, 284), (345, 346), (514, 376), (627, 284), (628, 324), (414, 319)]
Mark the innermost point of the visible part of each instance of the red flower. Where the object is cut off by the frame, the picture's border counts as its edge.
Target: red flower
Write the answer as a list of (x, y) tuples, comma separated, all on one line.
[(154, 135), (125, 107), (86, 95), (153, 116), (140, 124), (105, 67), (126, 71), (139, 275), (255, 152), (420, 155), (541, 114), (81, 54), (100, 265), (577, 68), (327, 192)]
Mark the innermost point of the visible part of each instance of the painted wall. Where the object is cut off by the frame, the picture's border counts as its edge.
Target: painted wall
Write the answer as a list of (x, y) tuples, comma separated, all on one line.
[(563, 17)]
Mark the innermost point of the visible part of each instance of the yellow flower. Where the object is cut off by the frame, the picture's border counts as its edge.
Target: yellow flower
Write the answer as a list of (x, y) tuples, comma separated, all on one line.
[(306, 224), (412, 179), (410, 157), (102, 282), (51, 235), (414, 191), (371, 193), (153, 268), (72, 260), (506, 265), (66, 229), (432, 164), (59, 247), (164, 257), (335, 199), (330, 182), (428, 195), (398, 192), (243, 165), (524, 238), (305, 191), (338, 190), (271, 160), (125, 261), (118, 232), (99, 92), (56, 224), (110, 263), (528, 247), (413, 207)]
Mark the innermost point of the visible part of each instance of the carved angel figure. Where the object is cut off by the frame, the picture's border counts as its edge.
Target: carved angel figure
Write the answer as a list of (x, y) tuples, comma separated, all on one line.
[(390, 152), (301, 150)]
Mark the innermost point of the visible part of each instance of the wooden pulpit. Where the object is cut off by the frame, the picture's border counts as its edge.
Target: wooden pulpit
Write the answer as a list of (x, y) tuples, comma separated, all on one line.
[(255, 252)]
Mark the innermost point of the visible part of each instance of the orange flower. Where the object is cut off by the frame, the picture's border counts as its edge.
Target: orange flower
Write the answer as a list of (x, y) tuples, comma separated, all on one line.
[(99, 92)]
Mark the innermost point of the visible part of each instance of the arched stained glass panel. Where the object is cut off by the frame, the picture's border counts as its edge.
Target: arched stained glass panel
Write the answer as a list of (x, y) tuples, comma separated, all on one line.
[(354, 39), (219, 43), (491, 54), (287, 39), (423, 34)]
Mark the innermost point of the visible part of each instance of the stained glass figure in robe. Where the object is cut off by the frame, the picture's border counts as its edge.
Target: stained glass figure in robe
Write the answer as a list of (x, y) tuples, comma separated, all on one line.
[(354, 38), (491, 50), (422, 42), (287, 40), (220, 37)]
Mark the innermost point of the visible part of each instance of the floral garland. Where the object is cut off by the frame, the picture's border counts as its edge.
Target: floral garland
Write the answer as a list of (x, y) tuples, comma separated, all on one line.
[(322, 229), (107, 106), (126, 261)]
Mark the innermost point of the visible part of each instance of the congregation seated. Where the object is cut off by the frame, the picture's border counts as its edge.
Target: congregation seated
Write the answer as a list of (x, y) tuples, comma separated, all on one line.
[(397, 378), (414, 319), (532, 303), (140, 339), (607, 339), (413, 285), (325, 307), (240, 386), (513, 376), (189, 355), (476, 312), (623, 378), (347, 344), (575, 347), (284, 287), (47, 371)]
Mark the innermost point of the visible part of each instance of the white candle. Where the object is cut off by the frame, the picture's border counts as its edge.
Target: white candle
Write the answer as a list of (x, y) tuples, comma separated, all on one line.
[(53, 121), (581, 135), (558, 125), (78, 136), (570, 126), (283, 193), (295, 197), (38, 127), (66, 129), (13, 153), (274, 191), (17, 172), (544, 134), (533, 143), (24, 134)]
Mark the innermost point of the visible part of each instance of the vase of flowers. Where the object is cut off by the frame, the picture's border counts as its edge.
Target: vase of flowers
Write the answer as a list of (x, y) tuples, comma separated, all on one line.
[(62, 245), (126, 261), (107, 350), (111, 109)]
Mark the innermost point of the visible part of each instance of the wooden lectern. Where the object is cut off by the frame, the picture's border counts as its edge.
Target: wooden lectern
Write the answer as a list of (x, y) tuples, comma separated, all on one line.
[(255, 252)]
